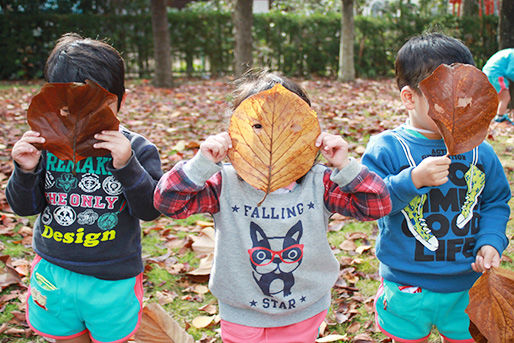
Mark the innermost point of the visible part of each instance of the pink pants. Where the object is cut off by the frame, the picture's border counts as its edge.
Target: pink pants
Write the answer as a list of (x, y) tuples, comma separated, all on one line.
[(303, 332)]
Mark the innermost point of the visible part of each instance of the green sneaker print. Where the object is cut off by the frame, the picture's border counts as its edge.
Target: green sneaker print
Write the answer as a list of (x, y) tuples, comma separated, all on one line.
[(417, 225), (475, 180)]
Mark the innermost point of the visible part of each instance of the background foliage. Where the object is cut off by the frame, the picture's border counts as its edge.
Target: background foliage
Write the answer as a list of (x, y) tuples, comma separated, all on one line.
[(297, 43)]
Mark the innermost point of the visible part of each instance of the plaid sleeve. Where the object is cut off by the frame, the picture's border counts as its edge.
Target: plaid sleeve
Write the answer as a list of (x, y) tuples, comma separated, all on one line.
[(178, 197), (364, 198)]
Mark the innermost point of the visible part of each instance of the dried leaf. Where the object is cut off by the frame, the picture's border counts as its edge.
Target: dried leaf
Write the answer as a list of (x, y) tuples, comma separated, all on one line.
[(157, 326), (202, 321), (273, 137), (68, 115), (462, 103), (331, 338), (205, 266), (491, 306)]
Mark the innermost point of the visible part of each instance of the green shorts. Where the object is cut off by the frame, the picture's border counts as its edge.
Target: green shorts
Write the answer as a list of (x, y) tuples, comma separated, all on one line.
[(407, 314), (62, 304)]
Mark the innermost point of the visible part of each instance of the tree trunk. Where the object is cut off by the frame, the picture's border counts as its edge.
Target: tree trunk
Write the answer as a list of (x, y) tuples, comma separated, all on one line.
[(346, 66), (161, 43), (469, 8), (243, 22), (506, 25)]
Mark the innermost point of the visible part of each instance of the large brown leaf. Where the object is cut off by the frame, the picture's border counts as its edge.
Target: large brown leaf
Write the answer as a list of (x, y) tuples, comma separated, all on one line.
[(68, 115), (462, 103), (273, 138), (491, 307)]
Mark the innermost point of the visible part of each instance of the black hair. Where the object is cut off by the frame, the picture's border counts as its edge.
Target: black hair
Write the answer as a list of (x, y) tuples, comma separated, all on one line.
[(257, 80), (77, 59), (422, 54)]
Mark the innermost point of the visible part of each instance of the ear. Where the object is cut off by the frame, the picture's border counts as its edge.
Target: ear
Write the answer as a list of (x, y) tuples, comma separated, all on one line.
[(258, 236), (407, 94)]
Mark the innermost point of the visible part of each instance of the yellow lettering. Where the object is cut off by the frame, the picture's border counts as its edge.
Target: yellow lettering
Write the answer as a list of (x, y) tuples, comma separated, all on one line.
[(92, 239), (48, 232), (68, 237), (88, 240), (80, 235), (58, 236), (108, 235)]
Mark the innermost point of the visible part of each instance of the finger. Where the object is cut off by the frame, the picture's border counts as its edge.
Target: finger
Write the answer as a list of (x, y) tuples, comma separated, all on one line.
[(33, 139), (24, 149), (488, 257), (320, 138), (495, 263), (474, 267), (479, 264), (31, 133), (109, 136)]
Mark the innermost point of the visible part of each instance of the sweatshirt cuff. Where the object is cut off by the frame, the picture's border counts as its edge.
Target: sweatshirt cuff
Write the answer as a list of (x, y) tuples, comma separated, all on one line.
[(494, 240), (27, 180), (130, 175), (199, 169), (346, 175)]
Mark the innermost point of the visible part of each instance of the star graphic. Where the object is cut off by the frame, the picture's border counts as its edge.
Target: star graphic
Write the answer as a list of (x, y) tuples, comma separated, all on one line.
[(235, 208), (302, 299), (311, 205), (253, 303)]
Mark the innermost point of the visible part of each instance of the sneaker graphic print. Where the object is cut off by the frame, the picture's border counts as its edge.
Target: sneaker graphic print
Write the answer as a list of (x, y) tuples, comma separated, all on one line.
[(475, 182), (416, 223)]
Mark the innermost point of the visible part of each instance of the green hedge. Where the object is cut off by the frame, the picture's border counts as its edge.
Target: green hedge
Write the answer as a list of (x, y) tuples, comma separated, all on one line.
[(202, 42)]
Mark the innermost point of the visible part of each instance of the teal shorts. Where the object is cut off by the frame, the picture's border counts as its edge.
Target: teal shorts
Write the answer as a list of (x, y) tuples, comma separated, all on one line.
[(62, 304), (407, 314)]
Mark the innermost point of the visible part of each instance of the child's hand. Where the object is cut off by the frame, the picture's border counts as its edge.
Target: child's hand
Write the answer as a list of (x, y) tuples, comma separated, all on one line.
[(117, 144), (432, 171), (215, 148), (334, 149), (24, 153), (487, 257)]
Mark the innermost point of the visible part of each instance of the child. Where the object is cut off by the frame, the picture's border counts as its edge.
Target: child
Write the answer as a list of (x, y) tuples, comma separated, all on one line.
[(273, 267), (449, 214), (86, 280), (499, 69)]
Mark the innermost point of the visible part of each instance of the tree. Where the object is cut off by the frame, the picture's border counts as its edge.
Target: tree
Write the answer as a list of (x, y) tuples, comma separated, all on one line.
[(506, 25), (469, 8), (161, 43), (346, 65), (243, 22)]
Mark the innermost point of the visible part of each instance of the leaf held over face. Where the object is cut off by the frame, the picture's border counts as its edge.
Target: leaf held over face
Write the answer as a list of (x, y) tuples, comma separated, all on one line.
[(462, 103), (273, 138), (68, 115), (491, 307)]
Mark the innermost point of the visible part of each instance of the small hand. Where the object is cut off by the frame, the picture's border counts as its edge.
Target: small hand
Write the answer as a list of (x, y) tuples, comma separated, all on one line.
[(215, 148), (334, 149), (117, 144), (432, 171), (26, 154), (487, 257)]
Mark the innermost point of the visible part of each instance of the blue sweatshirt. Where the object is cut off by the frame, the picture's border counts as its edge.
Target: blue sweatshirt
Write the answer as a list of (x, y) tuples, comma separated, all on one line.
[(89, 213), (447, 268)]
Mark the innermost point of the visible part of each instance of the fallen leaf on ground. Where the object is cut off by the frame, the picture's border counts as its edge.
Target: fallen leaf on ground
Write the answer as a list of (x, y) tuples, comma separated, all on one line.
[(157, 326)]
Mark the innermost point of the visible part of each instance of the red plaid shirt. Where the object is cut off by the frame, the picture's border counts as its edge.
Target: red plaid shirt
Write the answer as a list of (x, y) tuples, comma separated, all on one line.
[(364, 198)]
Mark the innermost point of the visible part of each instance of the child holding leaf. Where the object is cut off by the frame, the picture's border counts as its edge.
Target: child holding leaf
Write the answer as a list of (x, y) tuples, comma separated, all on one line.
[(450, 210), (273, 268), (90, 183)]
